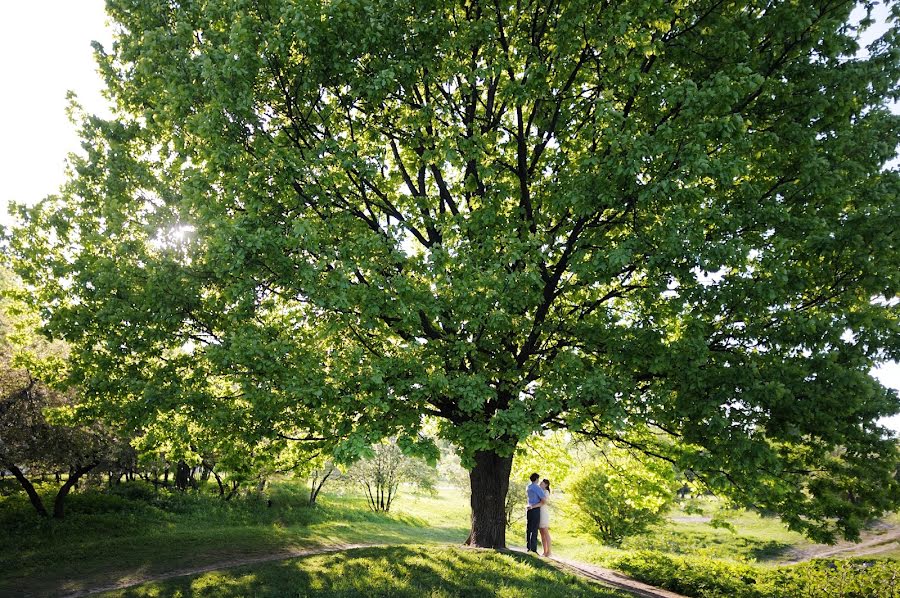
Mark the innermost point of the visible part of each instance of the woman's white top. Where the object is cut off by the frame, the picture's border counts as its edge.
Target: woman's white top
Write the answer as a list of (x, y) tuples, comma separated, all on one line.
[(545, 511)]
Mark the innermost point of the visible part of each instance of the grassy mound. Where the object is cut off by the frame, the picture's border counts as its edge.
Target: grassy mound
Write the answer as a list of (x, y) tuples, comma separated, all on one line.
[(414, 571)]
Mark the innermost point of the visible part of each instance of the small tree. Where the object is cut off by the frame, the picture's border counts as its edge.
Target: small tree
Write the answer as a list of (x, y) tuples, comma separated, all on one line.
[(36, 436), (382, 473), (320, 475), (31, 445), (618, 495)]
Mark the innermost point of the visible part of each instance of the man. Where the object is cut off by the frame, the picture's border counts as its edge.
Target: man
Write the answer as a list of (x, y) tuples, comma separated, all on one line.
[(533, 514)]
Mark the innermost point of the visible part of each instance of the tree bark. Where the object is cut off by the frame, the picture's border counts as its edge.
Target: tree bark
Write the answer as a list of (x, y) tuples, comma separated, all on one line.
[(219, 482), (182, 476), (59, 503), (234, 489), (317, 484), (489, 482), (33, 496)]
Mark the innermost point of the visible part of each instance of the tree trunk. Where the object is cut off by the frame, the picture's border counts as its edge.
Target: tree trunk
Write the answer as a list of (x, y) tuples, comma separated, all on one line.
[(182, 476), (317, 484), (219, 482), (490, 482), (35, 498), (234, 489), (76, 474)]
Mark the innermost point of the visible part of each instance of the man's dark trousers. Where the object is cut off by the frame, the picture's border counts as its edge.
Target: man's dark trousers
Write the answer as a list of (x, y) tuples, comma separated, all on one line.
[(533, 518)]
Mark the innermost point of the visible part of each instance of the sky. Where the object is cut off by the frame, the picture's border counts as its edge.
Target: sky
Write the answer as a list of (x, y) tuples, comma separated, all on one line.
[(45, 51)]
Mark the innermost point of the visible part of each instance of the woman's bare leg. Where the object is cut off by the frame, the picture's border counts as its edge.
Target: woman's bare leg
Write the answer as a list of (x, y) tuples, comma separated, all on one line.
[(545, 540)]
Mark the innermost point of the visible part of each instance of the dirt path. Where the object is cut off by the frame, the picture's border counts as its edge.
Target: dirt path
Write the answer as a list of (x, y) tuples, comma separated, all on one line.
[(135, 580), (606, 577), (881, 539)]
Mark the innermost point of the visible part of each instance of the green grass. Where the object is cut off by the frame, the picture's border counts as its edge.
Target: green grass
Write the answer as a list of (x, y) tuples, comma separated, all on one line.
[(891, 554), (753, 537), (140, 532), (408, 571), (134, 532), (691, 557)]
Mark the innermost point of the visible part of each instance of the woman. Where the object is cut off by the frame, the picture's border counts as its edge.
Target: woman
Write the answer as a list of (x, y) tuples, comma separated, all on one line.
[(544, 525)]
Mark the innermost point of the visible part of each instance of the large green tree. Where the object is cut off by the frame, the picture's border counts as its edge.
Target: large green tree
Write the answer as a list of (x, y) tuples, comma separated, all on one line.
[(668, 224)]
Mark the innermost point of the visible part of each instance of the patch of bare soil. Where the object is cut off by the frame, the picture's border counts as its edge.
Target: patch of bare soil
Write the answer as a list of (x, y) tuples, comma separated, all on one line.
[(882, 538)]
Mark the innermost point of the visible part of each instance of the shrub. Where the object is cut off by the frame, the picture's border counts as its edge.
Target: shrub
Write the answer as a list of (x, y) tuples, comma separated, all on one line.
[(700, 577), (619, 496), (847, 579), (137, 490), (710, 578)]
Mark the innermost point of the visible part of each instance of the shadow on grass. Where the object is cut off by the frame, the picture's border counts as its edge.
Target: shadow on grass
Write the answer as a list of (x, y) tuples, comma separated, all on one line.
[(409, 571), (109, 538), (769, 551)]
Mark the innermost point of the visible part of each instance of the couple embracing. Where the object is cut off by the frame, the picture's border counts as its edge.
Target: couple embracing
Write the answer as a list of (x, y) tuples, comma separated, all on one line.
[(537, 514)]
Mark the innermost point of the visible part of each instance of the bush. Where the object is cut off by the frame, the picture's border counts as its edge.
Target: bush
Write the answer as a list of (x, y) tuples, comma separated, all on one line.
[(700, 577), (848, 579), (710, 578), (620, 496), (137, 490)]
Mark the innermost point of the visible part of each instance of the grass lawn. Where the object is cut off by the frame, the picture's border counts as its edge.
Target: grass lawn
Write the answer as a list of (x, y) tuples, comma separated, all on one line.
[(413, 571), (138, 533), (753, 539)]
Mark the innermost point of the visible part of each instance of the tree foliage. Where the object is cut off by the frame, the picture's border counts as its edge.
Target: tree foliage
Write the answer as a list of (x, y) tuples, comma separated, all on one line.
[(667, 224), (617, 495), (39, 434)]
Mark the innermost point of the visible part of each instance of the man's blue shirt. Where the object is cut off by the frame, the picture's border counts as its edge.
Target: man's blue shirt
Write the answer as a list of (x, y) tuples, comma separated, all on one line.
[(535, 494)]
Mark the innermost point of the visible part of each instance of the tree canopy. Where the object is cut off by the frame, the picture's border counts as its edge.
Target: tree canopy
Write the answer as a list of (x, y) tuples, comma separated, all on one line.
[(666, 224)]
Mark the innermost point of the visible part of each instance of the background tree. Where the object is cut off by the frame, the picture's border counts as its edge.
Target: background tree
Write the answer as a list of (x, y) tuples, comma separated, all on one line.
[(321, 473), (175, 444), (665, 224), (617, 495), (39, 435), (382, 473)]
